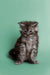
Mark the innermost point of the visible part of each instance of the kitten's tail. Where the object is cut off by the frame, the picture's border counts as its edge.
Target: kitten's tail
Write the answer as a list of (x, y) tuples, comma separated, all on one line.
[(12, 54), (11, 51)]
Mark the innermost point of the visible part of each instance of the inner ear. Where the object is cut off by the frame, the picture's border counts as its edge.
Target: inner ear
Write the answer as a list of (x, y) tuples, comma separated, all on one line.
[(36, 29), (34, 24), (22, 25)]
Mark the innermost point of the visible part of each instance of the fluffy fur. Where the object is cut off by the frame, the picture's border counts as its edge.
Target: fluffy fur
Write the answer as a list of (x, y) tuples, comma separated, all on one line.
[(26, 47)]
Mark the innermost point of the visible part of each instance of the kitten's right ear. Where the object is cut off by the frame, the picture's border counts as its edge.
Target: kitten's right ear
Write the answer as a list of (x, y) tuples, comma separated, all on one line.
[(21, 24)]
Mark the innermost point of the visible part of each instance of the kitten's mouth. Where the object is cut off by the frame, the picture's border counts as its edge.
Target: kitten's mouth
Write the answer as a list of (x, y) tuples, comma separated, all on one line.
[(27, 36)]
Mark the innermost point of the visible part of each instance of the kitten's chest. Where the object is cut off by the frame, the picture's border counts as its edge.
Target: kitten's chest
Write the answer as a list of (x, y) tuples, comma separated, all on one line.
[(29, 44)]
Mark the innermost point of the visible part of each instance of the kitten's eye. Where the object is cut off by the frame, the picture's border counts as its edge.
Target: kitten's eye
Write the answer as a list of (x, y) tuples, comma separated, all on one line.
[(30, 31), (25, 31)]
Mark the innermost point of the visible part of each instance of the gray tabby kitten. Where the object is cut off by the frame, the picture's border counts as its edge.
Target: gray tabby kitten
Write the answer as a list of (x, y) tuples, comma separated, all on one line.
[(26, 47)]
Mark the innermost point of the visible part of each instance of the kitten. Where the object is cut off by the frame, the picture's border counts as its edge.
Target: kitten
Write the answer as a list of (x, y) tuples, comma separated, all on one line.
[(26, 47)]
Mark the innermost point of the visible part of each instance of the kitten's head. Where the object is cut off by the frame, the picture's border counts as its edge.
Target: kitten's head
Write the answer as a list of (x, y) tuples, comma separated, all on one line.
[(28, 28)]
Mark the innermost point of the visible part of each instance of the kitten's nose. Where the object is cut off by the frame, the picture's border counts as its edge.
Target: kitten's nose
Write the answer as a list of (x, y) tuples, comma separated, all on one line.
[(27, 34)]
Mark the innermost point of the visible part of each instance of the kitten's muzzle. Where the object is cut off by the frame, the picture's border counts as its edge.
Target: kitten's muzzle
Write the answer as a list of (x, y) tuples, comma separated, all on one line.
[(27, 34)]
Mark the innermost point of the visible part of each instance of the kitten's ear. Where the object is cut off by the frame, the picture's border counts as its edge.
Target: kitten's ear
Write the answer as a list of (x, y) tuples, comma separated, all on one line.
[(35, 26), (21, 24), (36, 29)]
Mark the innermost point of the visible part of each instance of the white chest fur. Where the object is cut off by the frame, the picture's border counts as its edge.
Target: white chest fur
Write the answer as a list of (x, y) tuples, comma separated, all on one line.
[(29, 44)]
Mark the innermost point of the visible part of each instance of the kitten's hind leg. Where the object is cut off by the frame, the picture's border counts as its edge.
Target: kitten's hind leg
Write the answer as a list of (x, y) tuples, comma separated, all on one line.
[(18, 62), (21, 56), (33, 55)]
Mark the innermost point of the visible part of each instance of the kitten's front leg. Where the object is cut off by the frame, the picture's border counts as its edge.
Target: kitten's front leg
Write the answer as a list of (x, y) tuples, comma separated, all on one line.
[(33, 55), (22, 54)]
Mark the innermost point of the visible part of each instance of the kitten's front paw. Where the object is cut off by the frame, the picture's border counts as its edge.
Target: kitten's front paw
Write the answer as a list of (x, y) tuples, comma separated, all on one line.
[(18, 62), (36, 62)]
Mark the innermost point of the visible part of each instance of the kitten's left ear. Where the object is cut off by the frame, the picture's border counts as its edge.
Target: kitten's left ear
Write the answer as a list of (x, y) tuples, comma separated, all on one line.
[(35, 24)]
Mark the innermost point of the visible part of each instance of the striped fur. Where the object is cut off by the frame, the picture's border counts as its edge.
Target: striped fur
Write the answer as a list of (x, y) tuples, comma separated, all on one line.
[(26, 47)]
